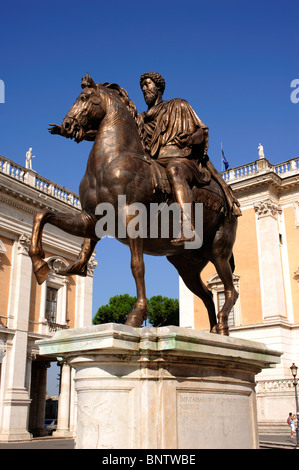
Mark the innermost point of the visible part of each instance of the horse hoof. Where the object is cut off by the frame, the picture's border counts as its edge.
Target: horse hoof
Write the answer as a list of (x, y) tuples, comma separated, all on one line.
[(135, 320), (73, 270), (42, 273), (223, 330), (220, 330)]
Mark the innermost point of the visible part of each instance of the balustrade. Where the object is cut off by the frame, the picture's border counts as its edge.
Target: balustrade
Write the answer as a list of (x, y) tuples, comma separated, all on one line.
[(31, 178)]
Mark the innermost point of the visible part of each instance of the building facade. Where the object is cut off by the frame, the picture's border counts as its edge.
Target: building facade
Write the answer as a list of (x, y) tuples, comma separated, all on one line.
[(266, 276), (29, 311)]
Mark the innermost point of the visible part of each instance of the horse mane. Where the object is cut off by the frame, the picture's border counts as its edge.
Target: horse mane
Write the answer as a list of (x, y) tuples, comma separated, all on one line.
[(122, 94)]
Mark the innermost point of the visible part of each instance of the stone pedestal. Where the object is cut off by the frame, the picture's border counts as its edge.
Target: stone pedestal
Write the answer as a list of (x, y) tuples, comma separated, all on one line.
[(162, 388)]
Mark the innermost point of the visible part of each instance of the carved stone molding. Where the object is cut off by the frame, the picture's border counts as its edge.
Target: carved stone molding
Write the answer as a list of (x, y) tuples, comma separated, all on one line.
[(31, 356), (2, 247), (296, 212), (267, 208), (279, 385), (2, 251), (296, 274), (91, 266), (55, 264), (24, 244)]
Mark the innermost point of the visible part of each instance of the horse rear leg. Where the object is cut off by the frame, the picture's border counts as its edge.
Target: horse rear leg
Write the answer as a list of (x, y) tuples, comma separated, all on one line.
[(139, 314), (80, 225), (190, 273), (222, 258), (224, 271)]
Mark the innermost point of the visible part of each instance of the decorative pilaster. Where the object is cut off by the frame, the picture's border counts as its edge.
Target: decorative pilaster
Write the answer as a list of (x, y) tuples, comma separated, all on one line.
[(16, 399), (270, 264)]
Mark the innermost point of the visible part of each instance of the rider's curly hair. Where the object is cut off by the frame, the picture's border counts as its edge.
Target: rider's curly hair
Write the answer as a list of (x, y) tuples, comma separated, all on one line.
[(156, 78)]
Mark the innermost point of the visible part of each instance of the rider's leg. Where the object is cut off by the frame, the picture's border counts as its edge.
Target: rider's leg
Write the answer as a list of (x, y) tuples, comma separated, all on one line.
[(180, 177)]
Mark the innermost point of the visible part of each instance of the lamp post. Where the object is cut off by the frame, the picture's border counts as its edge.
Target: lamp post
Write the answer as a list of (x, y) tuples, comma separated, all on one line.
[(294, 369)]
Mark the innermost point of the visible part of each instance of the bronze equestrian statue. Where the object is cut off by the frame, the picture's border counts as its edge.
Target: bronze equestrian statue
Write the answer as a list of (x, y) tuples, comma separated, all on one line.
[(157, 156)]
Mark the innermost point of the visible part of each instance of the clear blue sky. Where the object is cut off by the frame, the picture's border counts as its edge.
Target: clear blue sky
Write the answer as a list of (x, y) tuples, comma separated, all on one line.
[(233, 60)]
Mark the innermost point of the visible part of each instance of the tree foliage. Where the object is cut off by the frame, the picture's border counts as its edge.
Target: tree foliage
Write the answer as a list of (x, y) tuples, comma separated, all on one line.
[(116, 311), (162, 311)]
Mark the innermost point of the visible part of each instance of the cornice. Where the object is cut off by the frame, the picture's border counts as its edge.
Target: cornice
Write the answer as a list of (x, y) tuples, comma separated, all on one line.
[(66, 246), (270, 179), (31, 200)]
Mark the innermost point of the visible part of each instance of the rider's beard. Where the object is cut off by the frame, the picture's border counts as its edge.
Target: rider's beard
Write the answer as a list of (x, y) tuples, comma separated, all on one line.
[(150, 98)]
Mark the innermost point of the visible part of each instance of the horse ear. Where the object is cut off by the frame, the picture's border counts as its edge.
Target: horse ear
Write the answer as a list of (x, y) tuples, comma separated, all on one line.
[(87, 81)]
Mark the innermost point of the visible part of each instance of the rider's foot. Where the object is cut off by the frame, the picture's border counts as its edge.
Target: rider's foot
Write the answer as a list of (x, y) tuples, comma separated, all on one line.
[(181, 240)]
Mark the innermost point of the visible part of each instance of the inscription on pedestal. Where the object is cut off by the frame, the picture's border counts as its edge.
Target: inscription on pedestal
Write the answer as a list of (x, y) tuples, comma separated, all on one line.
[(213, 420)]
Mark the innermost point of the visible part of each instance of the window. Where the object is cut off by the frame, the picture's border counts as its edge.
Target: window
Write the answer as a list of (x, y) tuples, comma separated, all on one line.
[(51, 304)]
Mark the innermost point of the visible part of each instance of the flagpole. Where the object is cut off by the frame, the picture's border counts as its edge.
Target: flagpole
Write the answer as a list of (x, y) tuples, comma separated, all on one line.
[(221, 159)]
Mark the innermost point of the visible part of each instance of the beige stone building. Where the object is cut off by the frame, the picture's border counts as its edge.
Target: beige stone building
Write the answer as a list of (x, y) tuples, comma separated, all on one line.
[(266, 276), (29, 311)]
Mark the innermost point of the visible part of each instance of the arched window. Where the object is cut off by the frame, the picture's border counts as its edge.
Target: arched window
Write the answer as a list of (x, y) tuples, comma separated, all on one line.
[(54, 298)]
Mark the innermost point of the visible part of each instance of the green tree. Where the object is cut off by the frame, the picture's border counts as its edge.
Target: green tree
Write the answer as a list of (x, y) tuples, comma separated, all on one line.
[(116, 311), (163, 311)]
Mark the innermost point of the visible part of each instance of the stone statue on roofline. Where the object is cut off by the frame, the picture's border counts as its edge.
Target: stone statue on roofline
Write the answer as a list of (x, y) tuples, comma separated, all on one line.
[(29, 157)]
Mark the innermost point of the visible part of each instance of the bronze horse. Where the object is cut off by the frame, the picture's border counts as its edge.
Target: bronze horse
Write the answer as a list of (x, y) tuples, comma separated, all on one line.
[(117, 165)]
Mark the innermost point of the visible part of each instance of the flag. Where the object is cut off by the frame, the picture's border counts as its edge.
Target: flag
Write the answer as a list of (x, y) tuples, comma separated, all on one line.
[(224, 161)]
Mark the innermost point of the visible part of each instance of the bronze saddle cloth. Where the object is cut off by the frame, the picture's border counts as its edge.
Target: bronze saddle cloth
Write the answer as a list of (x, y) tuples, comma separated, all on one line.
[(205, 190)]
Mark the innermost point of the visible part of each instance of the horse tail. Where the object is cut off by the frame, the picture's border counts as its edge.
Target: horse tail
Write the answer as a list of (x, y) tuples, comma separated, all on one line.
[(232, 263)]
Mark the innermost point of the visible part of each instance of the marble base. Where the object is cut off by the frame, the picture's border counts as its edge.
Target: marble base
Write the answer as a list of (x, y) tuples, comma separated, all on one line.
[(162, 388)]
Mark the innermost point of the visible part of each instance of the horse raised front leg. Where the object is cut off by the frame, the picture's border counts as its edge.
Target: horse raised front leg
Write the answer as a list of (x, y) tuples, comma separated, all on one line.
[(81, 225), (79, 267), (139, 314), (40, 266)]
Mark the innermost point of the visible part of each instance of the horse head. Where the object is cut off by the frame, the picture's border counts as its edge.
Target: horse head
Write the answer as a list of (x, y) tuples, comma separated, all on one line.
[(86, 114)]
